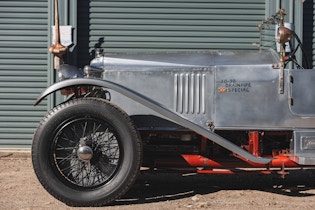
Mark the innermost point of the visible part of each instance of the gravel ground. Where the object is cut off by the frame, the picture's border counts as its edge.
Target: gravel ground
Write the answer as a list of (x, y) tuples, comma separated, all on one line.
[(21, 190)]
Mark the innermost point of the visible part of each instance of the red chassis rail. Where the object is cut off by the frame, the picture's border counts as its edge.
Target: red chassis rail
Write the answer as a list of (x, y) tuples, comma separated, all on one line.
[(234, 164)]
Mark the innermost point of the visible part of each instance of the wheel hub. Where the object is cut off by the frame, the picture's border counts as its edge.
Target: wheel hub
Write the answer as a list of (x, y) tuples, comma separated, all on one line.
[(85, 153)]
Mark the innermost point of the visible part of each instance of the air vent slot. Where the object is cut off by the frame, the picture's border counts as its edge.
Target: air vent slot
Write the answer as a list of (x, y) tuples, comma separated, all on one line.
[(189, 93)]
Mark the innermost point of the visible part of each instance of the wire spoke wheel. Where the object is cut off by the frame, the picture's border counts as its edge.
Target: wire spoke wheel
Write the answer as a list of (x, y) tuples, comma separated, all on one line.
[(86, 152)]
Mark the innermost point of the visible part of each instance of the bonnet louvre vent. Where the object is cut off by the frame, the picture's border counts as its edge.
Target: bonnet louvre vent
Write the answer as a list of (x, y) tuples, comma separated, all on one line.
[(189, 93)]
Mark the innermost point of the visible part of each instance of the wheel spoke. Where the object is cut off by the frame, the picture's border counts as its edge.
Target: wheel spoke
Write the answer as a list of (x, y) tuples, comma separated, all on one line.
[(84, 129), (65, 148)]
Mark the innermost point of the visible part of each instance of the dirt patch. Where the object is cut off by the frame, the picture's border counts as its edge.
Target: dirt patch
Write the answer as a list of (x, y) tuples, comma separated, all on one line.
[(21, 190)]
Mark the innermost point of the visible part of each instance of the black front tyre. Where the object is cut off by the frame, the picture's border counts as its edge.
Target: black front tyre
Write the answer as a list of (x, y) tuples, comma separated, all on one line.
[(86, 152)]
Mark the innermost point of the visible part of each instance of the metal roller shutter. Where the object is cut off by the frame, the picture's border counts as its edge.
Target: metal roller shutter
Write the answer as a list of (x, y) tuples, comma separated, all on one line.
[(23, 69), (142, 25), (308, 30)]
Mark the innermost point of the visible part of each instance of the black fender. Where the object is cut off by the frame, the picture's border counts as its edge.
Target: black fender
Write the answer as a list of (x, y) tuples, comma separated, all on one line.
[(159, 109)]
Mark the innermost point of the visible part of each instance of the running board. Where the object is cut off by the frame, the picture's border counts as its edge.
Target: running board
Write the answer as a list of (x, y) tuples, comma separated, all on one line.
[(158, 108)]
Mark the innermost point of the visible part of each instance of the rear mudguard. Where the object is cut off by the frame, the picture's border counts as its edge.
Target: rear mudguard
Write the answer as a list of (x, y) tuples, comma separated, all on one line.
[(158, 108)]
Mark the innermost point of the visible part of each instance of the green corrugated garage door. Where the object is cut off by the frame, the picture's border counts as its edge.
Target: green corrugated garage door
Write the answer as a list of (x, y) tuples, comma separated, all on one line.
[(308, 30), (142, 25), (23, 69)]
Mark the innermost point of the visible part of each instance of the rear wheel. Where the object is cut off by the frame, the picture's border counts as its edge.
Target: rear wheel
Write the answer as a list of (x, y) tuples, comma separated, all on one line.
[(86, 152)]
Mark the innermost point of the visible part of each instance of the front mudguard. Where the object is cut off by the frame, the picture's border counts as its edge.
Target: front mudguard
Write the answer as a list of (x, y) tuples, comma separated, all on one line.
[(159, 108), (70, 83)]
